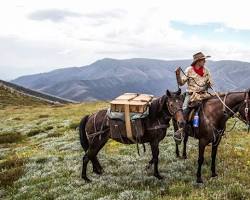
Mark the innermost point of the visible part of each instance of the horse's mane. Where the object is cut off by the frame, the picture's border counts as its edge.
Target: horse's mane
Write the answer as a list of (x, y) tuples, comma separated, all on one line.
[(222, 94), (156, 106)]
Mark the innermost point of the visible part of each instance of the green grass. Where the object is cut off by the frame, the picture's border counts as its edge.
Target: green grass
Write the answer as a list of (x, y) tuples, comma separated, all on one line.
[(8, 98), (40, 158)]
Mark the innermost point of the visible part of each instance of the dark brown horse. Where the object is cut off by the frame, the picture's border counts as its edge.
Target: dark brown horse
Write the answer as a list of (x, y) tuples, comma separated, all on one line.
[(94, 130), (214, 114)]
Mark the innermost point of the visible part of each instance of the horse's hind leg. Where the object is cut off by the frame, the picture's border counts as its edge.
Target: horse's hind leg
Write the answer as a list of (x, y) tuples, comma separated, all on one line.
[(94, 147), (97, 168), (90, 155), (85, 161), (150, 163)]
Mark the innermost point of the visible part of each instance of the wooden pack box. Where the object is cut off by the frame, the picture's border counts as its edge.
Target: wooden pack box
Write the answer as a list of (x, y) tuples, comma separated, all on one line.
[(137, 103)]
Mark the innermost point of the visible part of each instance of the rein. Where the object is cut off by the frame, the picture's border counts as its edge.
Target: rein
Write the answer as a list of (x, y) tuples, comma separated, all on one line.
[(221, 131), (233, 112)]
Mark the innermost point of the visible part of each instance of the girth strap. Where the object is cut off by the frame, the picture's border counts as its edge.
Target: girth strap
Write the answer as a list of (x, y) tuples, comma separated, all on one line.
[(159, 126)]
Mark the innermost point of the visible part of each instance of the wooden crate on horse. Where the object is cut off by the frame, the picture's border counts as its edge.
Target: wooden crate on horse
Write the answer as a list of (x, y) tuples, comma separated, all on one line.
[(137, 103), (130, 103)]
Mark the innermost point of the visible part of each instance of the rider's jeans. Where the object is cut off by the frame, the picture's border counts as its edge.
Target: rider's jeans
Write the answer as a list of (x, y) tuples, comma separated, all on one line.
[(186, 101)]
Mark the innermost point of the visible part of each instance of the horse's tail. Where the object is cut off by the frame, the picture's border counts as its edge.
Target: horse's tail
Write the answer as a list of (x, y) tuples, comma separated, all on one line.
[(83, 137)]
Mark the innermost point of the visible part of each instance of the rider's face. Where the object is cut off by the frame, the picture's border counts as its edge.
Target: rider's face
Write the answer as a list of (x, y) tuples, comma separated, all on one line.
[(201, 63)]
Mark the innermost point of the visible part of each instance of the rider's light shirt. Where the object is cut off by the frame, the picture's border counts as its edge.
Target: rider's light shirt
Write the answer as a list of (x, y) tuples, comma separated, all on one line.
[(196, 78), (196, 83)]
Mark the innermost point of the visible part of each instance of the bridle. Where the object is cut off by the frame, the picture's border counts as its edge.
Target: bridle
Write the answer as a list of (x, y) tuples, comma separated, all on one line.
[(173, 112), (246, 109)]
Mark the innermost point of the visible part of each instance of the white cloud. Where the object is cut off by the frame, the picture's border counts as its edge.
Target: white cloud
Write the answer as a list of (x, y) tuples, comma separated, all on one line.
[(53, 15), (75, 33)]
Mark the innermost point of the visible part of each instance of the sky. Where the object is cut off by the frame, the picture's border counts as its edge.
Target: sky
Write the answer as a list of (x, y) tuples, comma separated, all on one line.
[(39, 36)]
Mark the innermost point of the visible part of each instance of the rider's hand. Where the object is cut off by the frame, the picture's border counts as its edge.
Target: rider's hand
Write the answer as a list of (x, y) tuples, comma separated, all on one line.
[(178, 71), (209, 85)]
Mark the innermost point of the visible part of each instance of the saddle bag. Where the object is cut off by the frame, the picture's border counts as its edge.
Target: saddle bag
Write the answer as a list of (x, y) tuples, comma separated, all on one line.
[(118, 129), (131, 108)]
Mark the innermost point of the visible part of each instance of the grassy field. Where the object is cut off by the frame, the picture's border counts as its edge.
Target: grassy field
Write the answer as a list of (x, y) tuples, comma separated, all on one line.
[(40, 158), (8, 98)]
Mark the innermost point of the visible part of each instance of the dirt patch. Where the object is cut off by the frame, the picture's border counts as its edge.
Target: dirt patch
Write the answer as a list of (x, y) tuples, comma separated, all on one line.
[(11, 170), (11, 137)]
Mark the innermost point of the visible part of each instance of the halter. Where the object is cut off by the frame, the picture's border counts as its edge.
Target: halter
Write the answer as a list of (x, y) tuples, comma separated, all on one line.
[(173, 113)]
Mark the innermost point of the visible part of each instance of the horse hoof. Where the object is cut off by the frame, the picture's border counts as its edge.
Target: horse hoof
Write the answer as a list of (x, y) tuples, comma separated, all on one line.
[(214, 175), (159, 176), (184, 157), (98, 171), (87, 180), (148, 167), (199, 180)]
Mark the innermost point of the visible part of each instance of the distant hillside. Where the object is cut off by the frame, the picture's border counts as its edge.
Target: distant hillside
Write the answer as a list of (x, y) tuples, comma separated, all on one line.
[(11, 94), (107, 78)]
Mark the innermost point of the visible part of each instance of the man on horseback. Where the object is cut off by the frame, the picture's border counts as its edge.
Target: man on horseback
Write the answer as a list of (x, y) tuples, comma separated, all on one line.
[(198, 79)]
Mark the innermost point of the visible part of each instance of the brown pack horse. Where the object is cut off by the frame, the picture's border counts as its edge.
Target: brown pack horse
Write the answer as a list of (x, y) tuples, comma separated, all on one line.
[(94, 130), (213, 117)]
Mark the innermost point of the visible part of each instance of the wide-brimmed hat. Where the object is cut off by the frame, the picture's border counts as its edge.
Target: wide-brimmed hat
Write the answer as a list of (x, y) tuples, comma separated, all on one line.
[(199, 56)]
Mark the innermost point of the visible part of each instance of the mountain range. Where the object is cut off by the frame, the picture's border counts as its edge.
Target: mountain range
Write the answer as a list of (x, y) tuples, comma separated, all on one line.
[(108, 78)]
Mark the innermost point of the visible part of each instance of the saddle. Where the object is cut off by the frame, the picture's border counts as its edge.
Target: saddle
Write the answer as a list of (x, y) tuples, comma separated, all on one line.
[(126, 113)]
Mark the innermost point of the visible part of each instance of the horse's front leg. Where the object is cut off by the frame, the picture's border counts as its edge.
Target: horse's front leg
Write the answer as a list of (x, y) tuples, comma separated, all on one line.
[(177, 152), (184, 152), (155, 154), (202, 146), (213, 155)]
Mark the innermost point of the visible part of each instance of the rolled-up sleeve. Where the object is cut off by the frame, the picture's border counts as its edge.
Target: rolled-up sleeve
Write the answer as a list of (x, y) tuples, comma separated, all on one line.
[(182, 79)]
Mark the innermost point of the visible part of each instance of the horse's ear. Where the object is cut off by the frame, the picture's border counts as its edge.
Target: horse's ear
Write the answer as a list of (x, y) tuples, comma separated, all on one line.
[(162, 101), (168, 93), (179, 91)]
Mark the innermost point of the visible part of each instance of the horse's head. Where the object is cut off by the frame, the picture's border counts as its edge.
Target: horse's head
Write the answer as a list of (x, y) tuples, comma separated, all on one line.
[(174, 105), (244, 109)]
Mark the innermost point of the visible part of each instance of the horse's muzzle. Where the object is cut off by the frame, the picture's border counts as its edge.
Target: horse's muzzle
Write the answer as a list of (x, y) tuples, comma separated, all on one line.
[(181, 124)]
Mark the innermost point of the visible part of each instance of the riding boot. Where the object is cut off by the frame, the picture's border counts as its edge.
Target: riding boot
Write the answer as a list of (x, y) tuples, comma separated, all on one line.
[(178, 135), (186, 113)]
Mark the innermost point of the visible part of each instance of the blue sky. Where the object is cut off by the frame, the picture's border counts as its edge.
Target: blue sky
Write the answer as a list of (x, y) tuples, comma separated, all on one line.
[(212, 31)]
